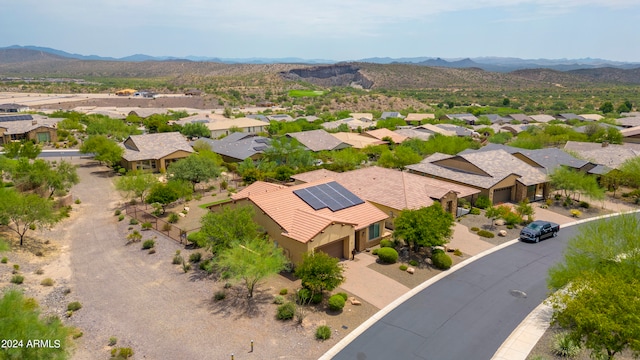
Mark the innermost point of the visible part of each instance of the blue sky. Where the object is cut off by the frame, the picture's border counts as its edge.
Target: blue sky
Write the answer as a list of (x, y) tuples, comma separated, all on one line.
[(328, 29)]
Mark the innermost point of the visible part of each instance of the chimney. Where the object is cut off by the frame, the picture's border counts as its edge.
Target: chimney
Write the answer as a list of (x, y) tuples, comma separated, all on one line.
[(605, 143), (34, 122)]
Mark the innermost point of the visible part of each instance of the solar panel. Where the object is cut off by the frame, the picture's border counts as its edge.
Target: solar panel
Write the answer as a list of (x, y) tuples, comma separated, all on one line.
[(331, 195), (15, 117)]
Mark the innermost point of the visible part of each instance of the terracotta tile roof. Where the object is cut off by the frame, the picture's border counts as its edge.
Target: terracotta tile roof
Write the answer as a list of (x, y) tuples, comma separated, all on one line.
[(358, 141), (297, 219), (154, 146), (388, 187), (419, 117), (380, 134), (493, 167)]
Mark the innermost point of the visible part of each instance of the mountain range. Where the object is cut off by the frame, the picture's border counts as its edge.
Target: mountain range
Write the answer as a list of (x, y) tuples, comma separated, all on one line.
[(494, 64)]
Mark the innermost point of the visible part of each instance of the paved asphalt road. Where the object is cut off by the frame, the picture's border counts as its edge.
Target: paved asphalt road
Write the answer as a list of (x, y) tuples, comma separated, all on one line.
[(468, 314)]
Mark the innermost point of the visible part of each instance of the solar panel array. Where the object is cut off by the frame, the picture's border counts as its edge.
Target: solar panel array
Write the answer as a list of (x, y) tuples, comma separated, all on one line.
[(15, 117), (331, 195)]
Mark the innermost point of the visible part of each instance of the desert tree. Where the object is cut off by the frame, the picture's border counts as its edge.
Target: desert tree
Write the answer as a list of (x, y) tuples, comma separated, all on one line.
[(221, 228), (195, 169), (23, 212), (427, 226), (104, 149), (136, 184), (319, 272)]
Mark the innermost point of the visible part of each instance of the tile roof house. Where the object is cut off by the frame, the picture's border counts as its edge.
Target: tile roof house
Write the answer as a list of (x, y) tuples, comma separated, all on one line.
[(592, 117), (570, 116), (497, 119), (432, 129), (13, 108), (393, 191), (358, 141), (147, 112), (525, 119), (497, 174), (154, 151), (222, 126), (542, 118), (318, 140), (315, 216), (28, 127), (417, 119), (258, 117), (609, 155), (631, 135), (280, 117), (470, 119), (362, 116), (353, 124), (458, 130), (382, 134), (239, 146), (391, 114), (413, 134)]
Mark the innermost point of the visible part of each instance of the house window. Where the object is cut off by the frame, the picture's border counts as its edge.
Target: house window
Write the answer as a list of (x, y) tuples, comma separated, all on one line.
[(146, 165), (374, 231)]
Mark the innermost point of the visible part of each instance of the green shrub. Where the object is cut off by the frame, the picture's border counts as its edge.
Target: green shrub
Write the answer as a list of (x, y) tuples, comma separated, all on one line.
[(16, 268), (475, 228), (565, 347), (336, 303), (584, 205), (323, 332), (286, 311), (388, 255), (17, 279), (173, 218), (148, 244), (166, 227), (4, 260), (304, 296), (485, 233), (512, 218), (78, 201), (457, 252), (344, 295), (403, 267), (113, 340), (413, 262), (316, 298), (39, 272), (474, 211), (441, 260), (117, 212), (47, 282), (195, 257), (509, 226), (375, 252), (386, 243), (207, 266), (219, 295), (122, 353), (74, 306), (575, 213), (120, 217), (177, 258), (278, 299), (133, 221), (146, 225), (186, 266), (284, 291), (483, 202)]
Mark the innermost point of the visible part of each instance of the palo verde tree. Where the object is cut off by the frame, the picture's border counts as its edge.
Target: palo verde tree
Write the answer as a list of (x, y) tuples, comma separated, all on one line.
[(319, 272), (195, 169), (251, 260), (104, 149), (25, 149), (572, 181), (220, 229), (165, 194), (23, 212), (597, 301), (427, 226), (136, 184)]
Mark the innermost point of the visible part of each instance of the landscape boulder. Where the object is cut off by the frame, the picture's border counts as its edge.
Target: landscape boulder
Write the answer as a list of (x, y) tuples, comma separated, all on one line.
[(354, 301), (411, 270), (499, 222), (502, 233)]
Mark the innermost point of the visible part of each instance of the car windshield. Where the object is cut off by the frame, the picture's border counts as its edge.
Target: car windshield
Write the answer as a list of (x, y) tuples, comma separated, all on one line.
[(533, 226)]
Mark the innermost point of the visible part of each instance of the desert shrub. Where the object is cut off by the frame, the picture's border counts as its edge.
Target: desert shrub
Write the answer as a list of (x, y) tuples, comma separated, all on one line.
[(483, 202), (195, 257), (148, 244), (441, 260), (113, 340), (509, 226), (4, 260), (219, 295), (567, 202), (117, 212), (177, 258), (186, 266), (475, 228), (323, 332), (388, 255), (197, 237), (557, 196), (316, 298), (135, 236), (286, 311), (173, 218), (166, 227), (343, 295), (564, 346), (47, 282), (375, 252), (464, 203), (77, 335), (474, 211), (485, 233), (403, 267), (278, 299), (336, 303), (304, 296), (207, 266), (17, 279), (74, 306), (133, 222), (284, 291), (146, 225), (548, 202), (16, 268), (584, 204), (39, 271), (78, 201), (122, 353), (152, 251), (413, 262), (575, 213), (386, 243), (120, 217), (457, 252), (512, 218)]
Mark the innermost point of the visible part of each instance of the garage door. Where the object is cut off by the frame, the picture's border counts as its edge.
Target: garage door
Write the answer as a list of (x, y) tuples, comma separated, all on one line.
[(334, 249), (502, 195)]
